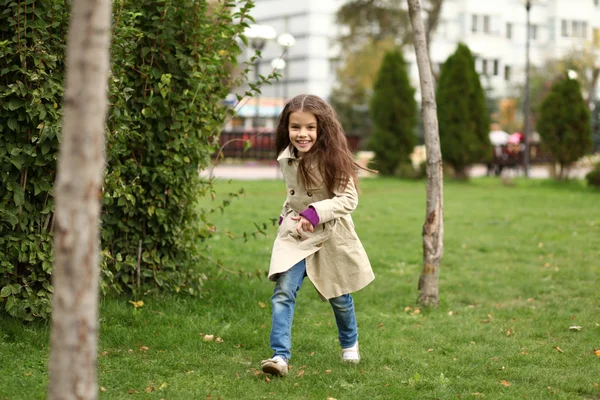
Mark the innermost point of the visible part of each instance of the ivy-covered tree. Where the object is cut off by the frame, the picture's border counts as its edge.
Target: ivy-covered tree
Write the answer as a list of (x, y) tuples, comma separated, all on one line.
[(564, 123), (462, 114), (394, 114)]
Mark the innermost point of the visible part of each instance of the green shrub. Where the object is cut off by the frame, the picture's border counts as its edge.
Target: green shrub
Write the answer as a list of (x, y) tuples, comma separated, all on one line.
[(462, 114), (564, 123), (593, 177), (172, 67), (394, 115)]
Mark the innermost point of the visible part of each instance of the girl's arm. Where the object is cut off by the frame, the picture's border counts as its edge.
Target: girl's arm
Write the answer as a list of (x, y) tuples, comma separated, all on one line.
[(343, 203)]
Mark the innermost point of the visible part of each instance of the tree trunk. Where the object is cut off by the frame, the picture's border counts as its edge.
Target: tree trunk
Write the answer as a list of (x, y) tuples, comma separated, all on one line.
[(78, 193), (433, 229)]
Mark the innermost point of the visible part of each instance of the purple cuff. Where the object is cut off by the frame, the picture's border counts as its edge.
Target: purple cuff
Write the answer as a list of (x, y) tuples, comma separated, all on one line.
[(311, 215), (280, 219)]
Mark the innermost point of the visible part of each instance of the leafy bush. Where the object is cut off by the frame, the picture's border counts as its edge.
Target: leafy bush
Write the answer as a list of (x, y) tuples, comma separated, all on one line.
[(394, 114), (593, 177), (564, 123), (462, 113), (172, 67)]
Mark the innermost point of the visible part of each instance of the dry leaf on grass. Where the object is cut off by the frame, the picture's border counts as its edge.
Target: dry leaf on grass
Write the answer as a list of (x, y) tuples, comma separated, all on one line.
[(575, 328), (103, 389), (597, 352), (505, 382), (327, 371), (137, 304), (261, 304), (300, 373), (143, 348), (267, 379), (208, 338), (558, 349)]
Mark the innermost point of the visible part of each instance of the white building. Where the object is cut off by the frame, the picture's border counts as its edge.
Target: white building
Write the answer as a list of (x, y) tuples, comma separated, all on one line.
[(494, 30)]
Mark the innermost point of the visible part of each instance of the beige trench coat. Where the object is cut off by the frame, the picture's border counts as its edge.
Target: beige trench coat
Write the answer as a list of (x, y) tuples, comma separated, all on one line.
[(336, 261)]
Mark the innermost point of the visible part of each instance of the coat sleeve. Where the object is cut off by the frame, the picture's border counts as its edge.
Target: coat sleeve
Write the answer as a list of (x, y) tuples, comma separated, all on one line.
[(342, 203)]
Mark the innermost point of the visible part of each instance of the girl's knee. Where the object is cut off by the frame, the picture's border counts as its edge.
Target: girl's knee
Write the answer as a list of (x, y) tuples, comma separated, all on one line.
[(342, 303)]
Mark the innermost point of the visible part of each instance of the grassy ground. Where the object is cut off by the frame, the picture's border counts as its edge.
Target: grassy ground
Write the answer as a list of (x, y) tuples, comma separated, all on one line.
[(520, 267)]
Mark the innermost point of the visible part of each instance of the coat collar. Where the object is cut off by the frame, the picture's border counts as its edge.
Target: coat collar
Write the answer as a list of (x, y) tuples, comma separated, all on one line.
[(287, 153)]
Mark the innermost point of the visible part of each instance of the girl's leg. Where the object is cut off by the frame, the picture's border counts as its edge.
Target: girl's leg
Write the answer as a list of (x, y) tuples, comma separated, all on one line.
[(284, 302), (343, 308)]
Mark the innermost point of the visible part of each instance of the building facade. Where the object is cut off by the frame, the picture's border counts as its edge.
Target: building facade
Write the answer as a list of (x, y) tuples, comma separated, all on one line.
[(494, 30)]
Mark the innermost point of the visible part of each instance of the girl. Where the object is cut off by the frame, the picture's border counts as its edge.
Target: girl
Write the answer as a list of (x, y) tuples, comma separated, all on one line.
[(316, 236)]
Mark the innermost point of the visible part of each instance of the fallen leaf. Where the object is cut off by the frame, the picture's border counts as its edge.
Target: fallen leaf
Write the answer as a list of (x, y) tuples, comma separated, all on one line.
[(28, 373), (558, 349), (143, 348), (407, 308), (380, 326), (509, 332), (485, 321), (261, 304), (575, 328), (505, 382), (530, 300), (208, 338), (387, 368), (149, 389), (501, 368), (327, 371), (237, 346), (490, 316), (597, 352), (312, 353), (267, 379), (546, 265), (130, 351), (137, 304), (429, 350), (416, 311), (219, 340), (300, 373), (237, 375), (104, 353), (131, 391), (103, 389), (331, 398), (450, 313)]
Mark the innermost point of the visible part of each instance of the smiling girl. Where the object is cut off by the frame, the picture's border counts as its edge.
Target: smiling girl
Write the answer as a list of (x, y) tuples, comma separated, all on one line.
[(316, 236)]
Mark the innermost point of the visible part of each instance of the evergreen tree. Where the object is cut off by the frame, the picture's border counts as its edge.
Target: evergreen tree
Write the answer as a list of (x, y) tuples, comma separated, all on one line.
[(462, 113), (394, 114), (564, 123)]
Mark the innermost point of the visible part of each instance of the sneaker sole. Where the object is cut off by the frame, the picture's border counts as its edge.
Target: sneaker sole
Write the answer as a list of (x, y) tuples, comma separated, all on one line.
[(272, 370)]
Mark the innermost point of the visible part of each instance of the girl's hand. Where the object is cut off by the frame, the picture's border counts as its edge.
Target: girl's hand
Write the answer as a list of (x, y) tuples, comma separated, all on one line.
[(303, 225)]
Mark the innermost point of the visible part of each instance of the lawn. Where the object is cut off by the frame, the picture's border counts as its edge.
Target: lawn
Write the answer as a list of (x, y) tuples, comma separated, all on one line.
[(520, 269)]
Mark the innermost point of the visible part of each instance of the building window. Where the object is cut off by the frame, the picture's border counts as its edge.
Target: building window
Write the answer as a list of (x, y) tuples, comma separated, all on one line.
[(486, 24), (563, 28), (474, 23), (509, 30), (484, 66), (533, 32), (496, 67), (507, 72)]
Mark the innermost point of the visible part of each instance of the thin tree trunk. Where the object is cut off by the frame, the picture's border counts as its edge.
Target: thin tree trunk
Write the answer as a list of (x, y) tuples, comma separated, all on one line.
[(433, 228), (72, 365)]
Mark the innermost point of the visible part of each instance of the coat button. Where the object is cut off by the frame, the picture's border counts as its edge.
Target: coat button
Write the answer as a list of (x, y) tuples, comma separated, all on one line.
[(309, 194), (289, 162), (320, 244), (292, 192)]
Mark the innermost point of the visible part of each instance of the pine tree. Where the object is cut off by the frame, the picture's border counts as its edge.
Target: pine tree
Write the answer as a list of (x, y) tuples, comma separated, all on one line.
[(462, 113), (564, 123), (394, 114)]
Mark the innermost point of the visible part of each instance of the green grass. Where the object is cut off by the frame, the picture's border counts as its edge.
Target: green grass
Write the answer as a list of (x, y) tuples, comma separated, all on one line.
[(520, 267)]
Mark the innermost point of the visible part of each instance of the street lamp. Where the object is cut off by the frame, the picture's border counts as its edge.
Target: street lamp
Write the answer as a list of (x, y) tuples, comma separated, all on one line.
[(526, 103), (286, 41), (258, 35), (278, 64)]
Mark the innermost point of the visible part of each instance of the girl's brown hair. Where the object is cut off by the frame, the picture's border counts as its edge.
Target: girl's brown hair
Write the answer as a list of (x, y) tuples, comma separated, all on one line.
[(330, 153)]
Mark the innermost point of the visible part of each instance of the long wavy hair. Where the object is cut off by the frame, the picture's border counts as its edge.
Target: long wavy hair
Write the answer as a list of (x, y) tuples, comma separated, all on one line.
[(330, 153)]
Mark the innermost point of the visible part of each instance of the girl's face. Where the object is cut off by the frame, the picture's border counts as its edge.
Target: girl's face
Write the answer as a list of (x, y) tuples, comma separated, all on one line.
[(303, 131)]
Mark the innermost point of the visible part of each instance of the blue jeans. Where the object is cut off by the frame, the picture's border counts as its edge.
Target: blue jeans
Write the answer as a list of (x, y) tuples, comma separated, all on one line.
[(284, 302)]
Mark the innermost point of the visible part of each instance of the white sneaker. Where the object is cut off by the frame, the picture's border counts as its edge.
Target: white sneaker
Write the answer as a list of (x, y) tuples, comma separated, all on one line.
[(350, 355), (275, 366)]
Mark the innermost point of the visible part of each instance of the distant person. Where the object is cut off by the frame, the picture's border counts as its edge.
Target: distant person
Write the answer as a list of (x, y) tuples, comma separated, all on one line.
[(316, 236)]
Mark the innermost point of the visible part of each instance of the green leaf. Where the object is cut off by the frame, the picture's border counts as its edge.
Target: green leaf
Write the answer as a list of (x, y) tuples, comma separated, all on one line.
[(12, 124), (6, 291), (247, 145)]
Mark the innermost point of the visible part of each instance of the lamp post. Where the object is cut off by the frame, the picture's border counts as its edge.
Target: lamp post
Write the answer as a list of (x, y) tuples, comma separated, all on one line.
[(526, 103), (258, 35), (278, 64), (286, 41)]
